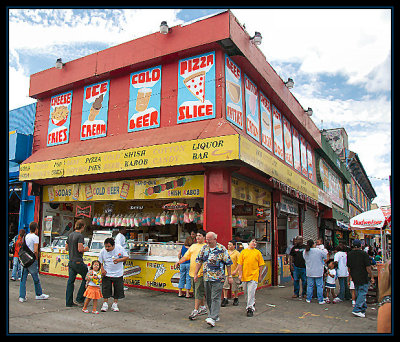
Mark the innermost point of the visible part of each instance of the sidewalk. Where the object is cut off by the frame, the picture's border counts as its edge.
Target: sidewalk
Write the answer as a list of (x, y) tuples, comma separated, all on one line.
[(146, 311)]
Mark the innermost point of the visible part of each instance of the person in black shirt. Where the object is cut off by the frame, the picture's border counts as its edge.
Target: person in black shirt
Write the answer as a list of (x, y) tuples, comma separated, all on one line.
[(359, 266), (298, 267)]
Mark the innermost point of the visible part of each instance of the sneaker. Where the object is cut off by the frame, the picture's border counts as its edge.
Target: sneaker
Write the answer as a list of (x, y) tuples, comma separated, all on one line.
[(104, 307), (114, 307), (308, 301), (249, 312), (85, 310), (236, 301), (359, 314), (193, 315), (337, 300), (210, 321), (224, 302), (202, 310), (321, 303), (42, 296), (21, 300), (95, 312), (13, 279)]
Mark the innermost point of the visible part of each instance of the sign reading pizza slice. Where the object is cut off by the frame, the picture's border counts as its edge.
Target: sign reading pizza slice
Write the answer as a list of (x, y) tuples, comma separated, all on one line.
[(196, 85)]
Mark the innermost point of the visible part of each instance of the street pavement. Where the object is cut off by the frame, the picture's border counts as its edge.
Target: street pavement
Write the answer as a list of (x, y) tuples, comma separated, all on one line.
[(153, 312)]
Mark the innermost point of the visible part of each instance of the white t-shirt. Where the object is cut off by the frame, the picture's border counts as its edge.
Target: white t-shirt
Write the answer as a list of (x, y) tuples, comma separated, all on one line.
[(121, 240), (329, 279), (30, 240), (107, 259), (341, 258)]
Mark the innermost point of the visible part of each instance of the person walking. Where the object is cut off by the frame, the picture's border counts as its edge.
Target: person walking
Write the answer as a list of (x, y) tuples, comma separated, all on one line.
[(198, 285), (184, 277), (214, 258), (17, 268), (112, 258), (298, 267), (75, 248), (234, 255), (342, 274), (359, 265), (32, 241), (314, 260), (250, 266)]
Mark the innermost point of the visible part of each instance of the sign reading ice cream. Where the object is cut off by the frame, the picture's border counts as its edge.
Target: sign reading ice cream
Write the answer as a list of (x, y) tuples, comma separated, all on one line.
[(144, 99), (252, 115), (196, 88), (59, 119), (233, 83), (95, 110)]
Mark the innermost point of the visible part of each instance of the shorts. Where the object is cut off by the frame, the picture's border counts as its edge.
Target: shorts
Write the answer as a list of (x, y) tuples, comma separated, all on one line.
[(330, 286), (198, 288), (235, 284), (108, 283)]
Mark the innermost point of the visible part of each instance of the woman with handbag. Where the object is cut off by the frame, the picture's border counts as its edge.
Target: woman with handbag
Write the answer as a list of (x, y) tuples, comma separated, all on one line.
[(31, 242), (17, 268)]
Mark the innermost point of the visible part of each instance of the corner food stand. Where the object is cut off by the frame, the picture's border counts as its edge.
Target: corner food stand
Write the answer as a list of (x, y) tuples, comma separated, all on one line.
[(375, 222)]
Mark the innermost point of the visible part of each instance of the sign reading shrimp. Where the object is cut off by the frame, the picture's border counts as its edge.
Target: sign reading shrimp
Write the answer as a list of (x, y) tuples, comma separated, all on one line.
[(144, 99), (196, 88), (59, 119), (95, 110)]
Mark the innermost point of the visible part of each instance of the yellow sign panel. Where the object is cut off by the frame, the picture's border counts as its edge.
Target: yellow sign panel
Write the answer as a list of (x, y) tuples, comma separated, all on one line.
[(170, 187), (262, 160), (250, 193), (180, 153)]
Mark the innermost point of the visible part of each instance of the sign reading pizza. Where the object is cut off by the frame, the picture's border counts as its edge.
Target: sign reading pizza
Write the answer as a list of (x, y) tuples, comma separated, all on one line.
[(196, 88)]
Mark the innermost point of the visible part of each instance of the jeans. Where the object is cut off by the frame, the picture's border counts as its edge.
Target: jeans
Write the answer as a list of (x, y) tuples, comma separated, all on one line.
[(34, 271), (299, 273), (344, 292), (213, 290), (17, 268), (75, 268), (361, 299), (319, 283), (184, 280)]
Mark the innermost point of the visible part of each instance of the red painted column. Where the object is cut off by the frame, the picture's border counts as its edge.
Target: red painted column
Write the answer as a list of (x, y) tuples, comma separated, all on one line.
[(218, 203)]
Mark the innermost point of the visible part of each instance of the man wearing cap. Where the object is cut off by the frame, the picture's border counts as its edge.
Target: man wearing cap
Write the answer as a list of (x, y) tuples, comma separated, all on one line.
[(359, 266)]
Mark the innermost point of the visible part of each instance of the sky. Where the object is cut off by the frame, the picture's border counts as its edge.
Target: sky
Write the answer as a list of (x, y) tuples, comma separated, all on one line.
[(339, 59)]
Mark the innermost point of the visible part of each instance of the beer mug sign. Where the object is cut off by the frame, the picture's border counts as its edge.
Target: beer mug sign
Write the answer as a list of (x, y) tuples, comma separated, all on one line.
[(144, 99)]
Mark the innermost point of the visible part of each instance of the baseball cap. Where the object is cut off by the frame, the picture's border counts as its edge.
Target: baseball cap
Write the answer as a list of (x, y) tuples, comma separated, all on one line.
[(356, 243)]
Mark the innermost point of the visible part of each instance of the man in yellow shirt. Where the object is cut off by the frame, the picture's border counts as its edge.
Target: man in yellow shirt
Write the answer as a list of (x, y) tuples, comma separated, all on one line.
[(250, 265), (234, 255), (198, 286)]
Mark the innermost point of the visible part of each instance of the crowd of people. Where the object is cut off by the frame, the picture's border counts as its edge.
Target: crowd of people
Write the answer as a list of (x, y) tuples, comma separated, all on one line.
[(209, 270)]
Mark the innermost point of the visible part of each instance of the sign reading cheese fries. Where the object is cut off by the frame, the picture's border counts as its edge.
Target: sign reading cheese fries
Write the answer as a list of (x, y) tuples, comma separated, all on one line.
[(95, 110), (59, 119)]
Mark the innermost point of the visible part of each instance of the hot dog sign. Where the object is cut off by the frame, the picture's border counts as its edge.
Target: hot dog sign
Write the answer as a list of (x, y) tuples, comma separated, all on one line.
[(196, 88)]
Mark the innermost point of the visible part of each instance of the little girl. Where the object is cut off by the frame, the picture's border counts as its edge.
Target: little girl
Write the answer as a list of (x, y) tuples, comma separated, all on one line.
[(330, 283), (93, 278)]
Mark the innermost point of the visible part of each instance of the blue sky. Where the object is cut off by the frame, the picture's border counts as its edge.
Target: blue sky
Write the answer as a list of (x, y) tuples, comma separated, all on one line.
[(339, 59)]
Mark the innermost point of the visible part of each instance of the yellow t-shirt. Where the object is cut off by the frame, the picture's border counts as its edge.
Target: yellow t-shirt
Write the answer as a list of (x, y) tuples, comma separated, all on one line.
[(191, 254), (234, 255), (251, 260)]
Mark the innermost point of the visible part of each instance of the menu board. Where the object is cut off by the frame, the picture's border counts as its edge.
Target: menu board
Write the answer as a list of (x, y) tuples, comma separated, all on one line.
[(296, 149), (196, 88), (278, 132), (95, 110), (266, 121), (59, 119), (303, 153), (252, 112), (287, 134), (144, 99), (233, 92)]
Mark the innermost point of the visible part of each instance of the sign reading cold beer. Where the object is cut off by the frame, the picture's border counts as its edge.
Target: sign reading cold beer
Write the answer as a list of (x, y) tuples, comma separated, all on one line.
[(233, 83), (196, 88), (144, 99), (95, 110), (59, 119)]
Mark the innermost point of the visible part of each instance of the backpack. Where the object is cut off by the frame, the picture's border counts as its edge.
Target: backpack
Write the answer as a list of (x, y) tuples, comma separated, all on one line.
[(26, 256)]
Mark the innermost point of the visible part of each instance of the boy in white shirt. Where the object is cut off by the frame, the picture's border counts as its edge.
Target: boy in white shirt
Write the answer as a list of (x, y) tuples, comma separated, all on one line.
[(112, 258)]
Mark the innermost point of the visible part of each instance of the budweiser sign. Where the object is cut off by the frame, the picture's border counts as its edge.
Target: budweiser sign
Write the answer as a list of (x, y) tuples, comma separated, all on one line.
[(367, 222)]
